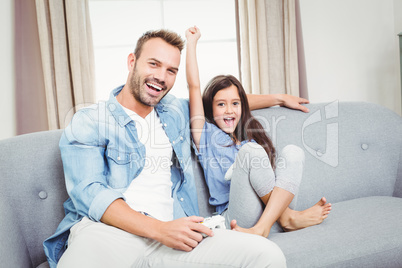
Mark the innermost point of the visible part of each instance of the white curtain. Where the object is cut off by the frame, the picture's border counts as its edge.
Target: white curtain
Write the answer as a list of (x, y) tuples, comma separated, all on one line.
[(67, 57), (269, 46)]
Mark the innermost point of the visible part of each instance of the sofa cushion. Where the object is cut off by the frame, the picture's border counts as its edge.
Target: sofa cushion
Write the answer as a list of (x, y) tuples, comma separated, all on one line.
[(32, 183), (364, 232), (44, 265), (352, 149)]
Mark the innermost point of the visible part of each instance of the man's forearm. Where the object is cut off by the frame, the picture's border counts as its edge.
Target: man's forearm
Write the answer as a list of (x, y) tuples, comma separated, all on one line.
[(119, 214), (183, 234)]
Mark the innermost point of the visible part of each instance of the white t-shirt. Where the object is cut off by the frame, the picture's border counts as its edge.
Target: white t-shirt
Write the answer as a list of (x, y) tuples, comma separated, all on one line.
[(151, 191)]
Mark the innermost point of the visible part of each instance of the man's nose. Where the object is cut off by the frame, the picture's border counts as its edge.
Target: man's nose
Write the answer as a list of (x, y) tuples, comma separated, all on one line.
[(160, 74)]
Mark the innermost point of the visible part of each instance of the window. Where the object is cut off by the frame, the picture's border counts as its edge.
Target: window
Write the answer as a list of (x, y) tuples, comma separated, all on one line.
[(116, 26)]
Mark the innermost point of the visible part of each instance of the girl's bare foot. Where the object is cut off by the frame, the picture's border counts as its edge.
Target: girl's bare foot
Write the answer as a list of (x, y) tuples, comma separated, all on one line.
[(252, 230), (292, 220)]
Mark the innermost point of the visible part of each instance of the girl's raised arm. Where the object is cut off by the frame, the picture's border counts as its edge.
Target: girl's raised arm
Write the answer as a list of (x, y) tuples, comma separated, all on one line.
[(197, 118)]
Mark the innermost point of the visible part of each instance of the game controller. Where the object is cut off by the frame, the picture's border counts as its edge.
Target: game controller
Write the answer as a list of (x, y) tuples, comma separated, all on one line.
[(214, 222)]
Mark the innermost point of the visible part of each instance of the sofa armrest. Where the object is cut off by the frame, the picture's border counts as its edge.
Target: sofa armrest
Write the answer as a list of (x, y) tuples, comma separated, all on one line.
[(13, 249)]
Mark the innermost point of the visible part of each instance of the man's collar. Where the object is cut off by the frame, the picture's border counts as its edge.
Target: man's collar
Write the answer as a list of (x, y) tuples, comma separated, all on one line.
[(116, 109)]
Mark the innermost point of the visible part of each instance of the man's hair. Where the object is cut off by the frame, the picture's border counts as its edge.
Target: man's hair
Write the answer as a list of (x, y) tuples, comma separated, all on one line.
[(169, 37)]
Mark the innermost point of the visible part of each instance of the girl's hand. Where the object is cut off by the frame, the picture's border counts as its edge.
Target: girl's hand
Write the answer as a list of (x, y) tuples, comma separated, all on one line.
[(294, 102), (193, 34)]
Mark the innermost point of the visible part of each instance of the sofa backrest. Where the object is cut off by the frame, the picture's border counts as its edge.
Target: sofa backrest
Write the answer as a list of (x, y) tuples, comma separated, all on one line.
[(352, 149), (32, 189)]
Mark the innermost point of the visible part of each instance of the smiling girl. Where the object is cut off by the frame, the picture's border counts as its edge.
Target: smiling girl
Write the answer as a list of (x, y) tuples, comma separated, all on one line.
[(238, 158)]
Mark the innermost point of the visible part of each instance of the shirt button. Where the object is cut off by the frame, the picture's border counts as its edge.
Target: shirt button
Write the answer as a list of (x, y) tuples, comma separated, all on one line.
[(173, 142), (119, 158), (165, 125), (181, 138), (364, 146), (182, 199)]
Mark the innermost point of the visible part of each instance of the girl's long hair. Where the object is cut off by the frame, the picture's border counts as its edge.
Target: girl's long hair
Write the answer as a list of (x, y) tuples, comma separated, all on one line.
[(248, 127)]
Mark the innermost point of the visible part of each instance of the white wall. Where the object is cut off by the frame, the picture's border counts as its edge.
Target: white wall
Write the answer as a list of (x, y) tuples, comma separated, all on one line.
[(351, 50), (7, 73)]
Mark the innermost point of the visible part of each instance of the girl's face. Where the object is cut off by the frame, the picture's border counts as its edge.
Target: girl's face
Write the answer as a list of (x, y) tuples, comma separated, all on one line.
[(226, 109)]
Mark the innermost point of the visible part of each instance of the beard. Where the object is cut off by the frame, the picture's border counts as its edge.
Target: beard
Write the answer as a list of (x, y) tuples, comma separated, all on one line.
[(136, 85)]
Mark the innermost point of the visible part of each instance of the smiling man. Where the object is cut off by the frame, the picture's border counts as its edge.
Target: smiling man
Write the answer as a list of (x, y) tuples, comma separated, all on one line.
[(125, 213), (151, 76)]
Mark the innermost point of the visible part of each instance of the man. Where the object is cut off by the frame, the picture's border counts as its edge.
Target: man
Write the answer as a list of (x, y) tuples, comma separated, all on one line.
[(129, 205)]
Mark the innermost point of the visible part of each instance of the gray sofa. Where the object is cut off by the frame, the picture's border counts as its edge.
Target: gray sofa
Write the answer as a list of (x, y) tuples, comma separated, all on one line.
[(353, 158)]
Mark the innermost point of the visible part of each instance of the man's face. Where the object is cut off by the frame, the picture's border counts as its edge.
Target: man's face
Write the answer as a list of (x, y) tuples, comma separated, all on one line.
[(154, 72)]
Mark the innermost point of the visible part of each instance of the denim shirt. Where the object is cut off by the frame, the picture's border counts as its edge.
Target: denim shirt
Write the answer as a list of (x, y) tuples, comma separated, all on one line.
[(101, 155), (217, 153)]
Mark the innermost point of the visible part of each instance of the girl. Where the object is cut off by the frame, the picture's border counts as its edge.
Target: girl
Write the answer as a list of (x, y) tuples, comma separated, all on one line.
[(238, 157)]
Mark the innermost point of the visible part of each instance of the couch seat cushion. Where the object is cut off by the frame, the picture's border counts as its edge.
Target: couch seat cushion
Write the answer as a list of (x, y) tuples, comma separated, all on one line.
[(362, 232)]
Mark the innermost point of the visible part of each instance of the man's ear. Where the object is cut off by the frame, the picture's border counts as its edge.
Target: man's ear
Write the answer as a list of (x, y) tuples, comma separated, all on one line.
[(131, 61)]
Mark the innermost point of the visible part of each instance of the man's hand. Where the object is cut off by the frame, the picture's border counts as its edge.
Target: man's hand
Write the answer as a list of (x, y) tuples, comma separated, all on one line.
[(183, 234)]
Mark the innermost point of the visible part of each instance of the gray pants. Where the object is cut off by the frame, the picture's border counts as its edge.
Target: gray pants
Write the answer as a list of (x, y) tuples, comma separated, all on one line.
[(94, 244), (253, 177)]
